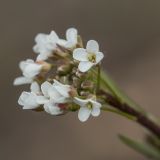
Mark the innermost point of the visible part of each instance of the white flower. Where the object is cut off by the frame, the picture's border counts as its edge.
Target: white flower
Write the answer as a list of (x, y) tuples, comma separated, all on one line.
[(88, 107), (88, 57), (29, 99), (71, 38), (45, 45), (30, 69), (53, 95)]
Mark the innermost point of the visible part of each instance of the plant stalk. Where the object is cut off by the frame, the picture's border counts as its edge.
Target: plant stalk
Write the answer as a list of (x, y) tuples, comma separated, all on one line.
[(141, 118)]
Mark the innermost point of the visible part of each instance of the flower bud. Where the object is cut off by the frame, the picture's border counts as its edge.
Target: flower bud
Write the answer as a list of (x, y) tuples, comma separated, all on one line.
[(63, 79), (87, 85), (80, 74), (85, 93), (64, 69), (80, 42), (61, 53), (76, 81), (73, 92), (45, 66)]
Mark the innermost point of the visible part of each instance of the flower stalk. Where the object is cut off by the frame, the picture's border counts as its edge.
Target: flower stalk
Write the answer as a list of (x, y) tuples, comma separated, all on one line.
[(140, 118), (98, 77)]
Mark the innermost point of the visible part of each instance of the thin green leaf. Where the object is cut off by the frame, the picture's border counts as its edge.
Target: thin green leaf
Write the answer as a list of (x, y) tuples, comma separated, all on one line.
[(114, 89), (117, 92), (153, 141), (144, 149)]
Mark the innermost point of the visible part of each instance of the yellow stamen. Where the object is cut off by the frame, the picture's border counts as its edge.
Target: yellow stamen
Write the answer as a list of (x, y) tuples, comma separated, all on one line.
[(89, 105), (92, 57)]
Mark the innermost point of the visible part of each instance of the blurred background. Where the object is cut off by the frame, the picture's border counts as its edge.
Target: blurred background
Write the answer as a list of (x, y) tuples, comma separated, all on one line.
[(129, 34)]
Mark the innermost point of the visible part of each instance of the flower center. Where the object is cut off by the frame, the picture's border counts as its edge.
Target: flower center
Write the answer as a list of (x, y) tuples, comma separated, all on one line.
[(89, 105), (91, 57)]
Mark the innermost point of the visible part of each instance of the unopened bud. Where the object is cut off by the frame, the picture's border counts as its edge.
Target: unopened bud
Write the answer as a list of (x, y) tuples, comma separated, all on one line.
[(64, 69), (45, 66), (76, 81), (80, 74), (63, 79), (85, 93), (73, 92), (87, 85), (80, 43), (61, 54), (74, 70)]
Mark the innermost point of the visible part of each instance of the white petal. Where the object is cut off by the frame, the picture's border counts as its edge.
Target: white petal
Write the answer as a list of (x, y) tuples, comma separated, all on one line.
[(35, 48), (71, 35), (84, 114), (52, 109), (95, 111), (81, 102), (53, 93), (23, 97), (42, 100), (92, 46), (53, 37), (23, 64), (61, 100), (22, 80), (99, 56), (64, 91), (80, 54), (29, 107), (32, 70), (41, 37), (45, 44), (28, 100), (55, 96), (41, 57), (28, 61), (35, 87), (61, 88), (40, 48), (62, 42), (31, 102), (96, 104), (45, 88), (85, 66)]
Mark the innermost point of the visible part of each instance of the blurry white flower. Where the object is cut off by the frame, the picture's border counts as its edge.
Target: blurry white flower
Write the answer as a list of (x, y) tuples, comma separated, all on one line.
[(29, 99), (53, 95), (71, 38), (30, 69), (22, 80), (45, 45), (88, 57), (88, 107)]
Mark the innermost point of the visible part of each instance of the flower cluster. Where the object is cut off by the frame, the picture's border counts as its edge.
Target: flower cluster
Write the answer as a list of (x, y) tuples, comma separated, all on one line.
[(64, 77)]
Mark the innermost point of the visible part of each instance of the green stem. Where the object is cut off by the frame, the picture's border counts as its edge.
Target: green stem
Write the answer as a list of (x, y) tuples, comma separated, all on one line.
[(140, 118), (117, 99), (117, 92), (98, 77)]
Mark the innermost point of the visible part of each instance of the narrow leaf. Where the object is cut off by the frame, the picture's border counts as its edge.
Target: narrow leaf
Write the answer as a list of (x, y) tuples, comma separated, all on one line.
[(144, 149), (117, 92), (114, 89)]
